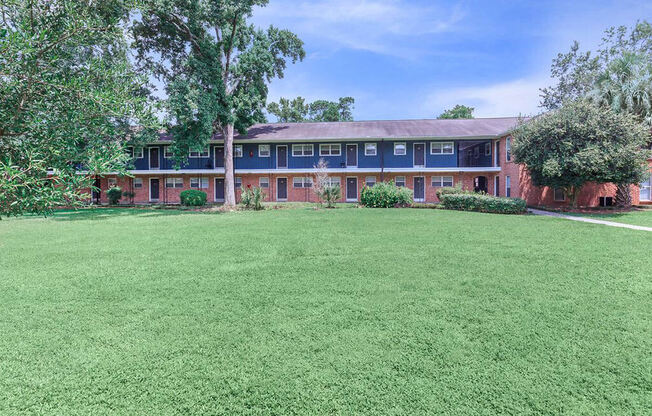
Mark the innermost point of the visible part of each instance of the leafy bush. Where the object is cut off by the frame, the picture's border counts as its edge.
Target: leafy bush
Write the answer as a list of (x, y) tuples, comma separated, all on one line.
[(252, 198), (482, 203), (114, 194), (457, 189), (330, 194), (385, 195), (193, 198)]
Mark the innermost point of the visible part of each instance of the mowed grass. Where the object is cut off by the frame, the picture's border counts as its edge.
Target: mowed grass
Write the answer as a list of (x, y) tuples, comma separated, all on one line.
[(345, 311)]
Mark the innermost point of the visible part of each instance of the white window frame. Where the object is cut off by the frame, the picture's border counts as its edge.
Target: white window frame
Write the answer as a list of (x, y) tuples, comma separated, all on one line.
[(264, 146), (261, 181), (166, 152), (238, 150), (137, 181), (235, 182), (305, 182), (331, 147), (404, 181), (111, 183), (199, 154), (302, 148), (508, 186), (333, 180), (375, 149), (140, 155), (508, 149), (366, 181), (646, 185), (200, 183), (175, 183), (441, 146), (439, 181), (404, 148)]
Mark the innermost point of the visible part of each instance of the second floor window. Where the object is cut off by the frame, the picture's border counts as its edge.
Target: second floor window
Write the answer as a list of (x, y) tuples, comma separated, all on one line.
[(198, 153), (174, 182), (400, 149), (330, 150), (237, 150), (442, 148), (136, 153), (263, 150), (487, 149), (167, 152), (370, 149), (508, 149), (201, 183), (299, 150)]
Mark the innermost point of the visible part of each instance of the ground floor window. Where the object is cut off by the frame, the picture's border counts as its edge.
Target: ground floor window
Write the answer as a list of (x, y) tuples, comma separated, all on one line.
[(370, 181), (302, 182), (199, 183), (332, 181), (560, 195), (508, 186), (238, 182), (400, 181), (174, 182), (646, 189), (138, 183), (263, 182), (113, 182), (441, 181)]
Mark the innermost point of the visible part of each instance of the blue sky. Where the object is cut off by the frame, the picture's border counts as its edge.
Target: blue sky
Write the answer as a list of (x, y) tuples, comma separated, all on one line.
[(415, 58)]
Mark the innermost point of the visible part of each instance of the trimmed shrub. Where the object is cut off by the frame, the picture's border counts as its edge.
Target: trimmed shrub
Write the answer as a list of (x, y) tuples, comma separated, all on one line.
[(114, 194), (483, 203), (252, 198), (385, 195), (193, 198), (457, 189)]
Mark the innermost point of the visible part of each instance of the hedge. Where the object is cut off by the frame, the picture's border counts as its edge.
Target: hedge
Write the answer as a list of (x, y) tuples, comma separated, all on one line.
[(482, 203), (385, 195), (193, 198)]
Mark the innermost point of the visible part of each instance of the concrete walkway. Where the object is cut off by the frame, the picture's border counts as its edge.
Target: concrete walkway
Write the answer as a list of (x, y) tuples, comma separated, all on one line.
[(591, 220)]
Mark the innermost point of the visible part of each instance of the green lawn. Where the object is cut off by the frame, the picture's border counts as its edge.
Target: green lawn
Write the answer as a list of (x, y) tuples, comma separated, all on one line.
[(346, 311), (638, 217)]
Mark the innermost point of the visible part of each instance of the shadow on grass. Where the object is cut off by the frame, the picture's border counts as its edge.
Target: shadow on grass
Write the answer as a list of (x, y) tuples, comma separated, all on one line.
[(99, 214)]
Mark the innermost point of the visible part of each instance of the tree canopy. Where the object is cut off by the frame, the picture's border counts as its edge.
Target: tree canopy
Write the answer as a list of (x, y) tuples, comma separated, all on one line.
[(216, 67), (580, 143), (459, 111), (68, 99), (298, 111)]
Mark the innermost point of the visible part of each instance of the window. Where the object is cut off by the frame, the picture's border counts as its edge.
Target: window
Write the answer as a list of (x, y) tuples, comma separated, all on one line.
[(237, 150), (487, 149), (167, 152), (201, 183), (508, 149), (302, 182), (263, 150), (332, 181), (197, 154), (559, 194), (174, 182), (370, 181), (442, 148), (441, 181), (646, 190), (476, 152), (400, 181), (301, 150), (370, 149), (263, 182), (330, 149), (238, 182), (137, 153), (138, 183), (399, 149), (508, 186), (113, 182)]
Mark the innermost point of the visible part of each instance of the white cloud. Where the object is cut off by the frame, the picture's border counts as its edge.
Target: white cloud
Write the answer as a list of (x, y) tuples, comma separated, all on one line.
[(511, 98), (379, 26)]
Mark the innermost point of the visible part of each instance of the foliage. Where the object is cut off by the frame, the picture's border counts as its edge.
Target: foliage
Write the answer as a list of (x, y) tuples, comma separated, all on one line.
[(68, 99), (216, 67), (252, 198), (457, 189), (385, 195), (330, 194), (581, 143), (193, 198), (114, 194), (459, 111), (577, 72), (483, 203), (298, 111), (322, 186)]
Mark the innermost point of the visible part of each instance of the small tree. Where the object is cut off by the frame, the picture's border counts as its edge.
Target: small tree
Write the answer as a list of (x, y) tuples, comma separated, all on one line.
[(114, 194), (459, 111), (581, 143), (323, 188)]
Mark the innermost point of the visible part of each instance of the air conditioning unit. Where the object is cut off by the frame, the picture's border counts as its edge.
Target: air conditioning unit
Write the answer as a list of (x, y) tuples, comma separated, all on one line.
[(606, 201)]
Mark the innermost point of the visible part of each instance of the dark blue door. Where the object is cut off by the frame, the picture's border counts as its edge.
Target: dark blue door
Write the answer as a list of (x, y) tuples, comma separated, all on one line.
[(219, 157), (282, 157), (419, 189), (281, 189), (219, 189), (153, 189)]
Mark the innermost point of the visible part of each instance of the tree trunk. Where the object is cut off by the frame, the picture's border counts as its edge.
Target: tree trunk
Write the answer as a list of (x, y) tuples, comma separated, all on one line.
[(623, 196), (573, 193), (229, 179)]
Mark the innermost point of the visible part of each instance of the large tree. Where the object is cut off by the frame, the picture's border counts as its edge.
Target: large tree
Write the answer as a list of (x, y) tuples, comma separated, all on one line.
[(459, 111), (580, 143), (216, 67), (298, 111), (68, 99)]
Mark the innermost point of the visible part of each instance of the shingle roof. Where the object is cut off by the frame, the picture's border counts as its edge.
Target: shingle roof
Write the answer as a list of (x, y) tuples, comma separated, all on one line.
[(386, 129)]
